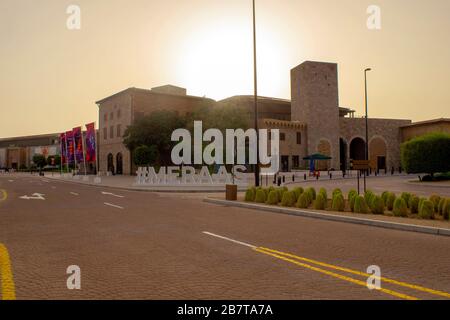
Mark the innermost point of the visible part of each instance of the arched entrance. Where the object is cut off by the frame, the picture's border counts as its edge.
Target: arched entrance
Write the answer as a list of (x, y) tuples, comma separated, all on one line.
[(110, 163), (378, 153), (343, 154), (357, 149), (119, 163)]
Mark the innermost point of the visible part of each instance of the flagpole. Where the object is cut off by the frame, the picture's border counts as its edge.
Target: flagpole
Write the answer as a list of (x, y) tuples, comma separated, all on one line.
[(61, 157), (95, 149), (84, 152), (67, 158), (74, 151)]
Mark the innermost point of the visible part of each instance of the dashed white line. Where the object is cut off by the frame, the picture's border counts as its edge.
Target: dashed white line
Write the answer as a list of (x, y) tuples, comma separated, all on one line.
[(229, 239), (74, 194), (112, 194), (112, 205)]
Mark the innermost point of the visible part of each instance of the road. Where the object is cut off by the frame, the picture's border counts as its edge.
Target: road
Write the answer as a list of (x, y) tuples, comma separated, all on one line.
[(138, 245)]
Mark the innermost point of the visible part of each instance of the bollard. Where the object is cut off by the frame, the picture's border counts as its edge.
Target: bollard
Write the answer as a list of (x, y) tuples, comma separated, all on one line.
[(284, 179), (331, 176), (305, 176), (293, 178), (279, 181)]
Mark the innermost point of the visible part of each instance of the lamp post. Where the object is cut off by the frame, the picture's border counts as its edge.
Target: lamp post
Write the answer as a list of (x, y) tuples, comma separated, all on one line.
[(255, 78), (367, 124)]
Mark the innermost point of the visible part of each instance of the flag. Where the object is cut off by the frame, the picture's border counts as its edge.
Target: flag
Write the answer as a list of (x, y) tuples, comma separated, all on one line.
[(62, 141), (90, 142), (70, 147), (78, 141)]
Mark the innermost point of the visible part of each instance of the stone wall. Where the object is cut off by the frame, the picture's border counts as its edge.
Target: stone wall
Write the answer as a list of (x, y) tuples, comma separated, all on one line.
[(387, 130), (315, 101)]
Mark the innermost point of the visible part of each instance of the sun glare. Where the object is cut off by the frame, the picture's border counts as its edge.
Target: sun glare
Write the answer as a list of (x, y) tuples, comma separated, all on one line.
[(218, 61)]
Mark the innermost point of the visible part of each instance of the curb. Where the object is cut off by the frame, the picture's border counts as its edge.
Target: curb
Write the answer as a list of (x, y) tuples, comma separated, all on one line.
[(331, 217)]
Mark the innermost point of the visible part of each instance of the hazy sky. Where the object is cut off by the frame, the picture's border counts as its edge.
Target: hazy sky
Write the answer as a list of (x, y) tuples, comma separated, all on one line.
[(51, 76)]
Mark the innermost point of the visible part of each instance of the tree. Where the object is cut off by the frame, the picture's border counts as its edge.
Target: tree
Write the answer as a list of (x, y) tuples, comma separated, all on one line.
[(154, 130), (145, 155), (39, 160), (427, 154), (54, 160)]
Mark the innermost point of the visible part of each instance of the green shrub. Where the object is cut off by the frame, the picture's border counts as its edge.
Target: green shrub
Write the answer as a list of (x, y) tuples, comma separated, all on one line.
[(446, 209), (385, 196), (338, 203), (250, 194), (421, 201), (312, 193), (321, 202), (303, 201), (368, 197), (377, 205), (288, 199), (414, 204), (272, 199), (400, 208), (323, 191), (427, 210), (281, 191), (441, 206), (352, 194), (336, 191), (361, 205), (390, 201), (260, 196), (435, 200), (406, 196), (428, 153), (298, 191)]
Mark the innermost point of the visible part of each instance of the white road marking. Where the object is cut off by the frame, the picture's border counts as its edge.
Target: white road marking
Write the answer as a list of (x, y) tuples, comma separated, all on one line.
[(112, 194), (229, 239), (34, 196), (112, 205), (74, 194), (10, 180)]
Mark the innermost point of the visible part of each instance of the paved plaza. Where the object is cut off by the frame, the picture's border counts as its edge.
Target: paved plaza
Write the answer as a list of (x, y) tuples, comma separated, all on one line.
[(140, 245)]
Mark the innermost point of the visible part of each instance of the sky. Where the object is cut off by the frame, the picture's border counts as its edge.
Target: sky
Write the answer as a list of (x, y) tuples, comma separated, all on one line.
[(51, 76)]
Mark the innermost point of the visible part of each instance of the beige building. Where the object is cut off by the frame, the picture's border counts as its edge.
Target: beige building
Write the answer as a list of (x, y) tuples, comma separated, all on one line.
[(18, 152), (311, 122)]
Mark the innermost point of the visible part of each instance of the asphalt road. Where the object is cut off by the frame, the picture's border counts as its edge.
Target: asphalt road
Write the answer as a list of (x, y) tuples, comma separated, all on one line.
[(138, 245)]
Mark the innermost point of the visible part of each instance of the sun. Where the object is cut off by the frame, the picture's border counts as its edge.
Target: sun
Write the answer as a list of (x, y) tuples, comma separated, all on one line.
[(217, 61)]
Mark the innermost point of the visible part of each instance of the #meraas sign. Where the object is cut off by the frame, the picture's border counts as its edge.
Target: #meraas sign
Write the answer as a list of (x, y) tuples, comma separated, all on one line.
[(239, 143)]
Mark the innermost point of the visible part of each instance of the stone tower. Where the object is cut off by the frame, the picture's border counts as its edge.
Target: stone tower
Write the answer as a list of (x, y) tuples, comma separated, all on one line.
[(315, 101)]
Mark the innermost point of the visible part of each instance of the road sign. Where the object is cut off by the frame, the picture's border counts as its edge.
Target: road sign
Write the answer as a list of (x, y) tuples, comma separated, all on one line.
[(361, 164)]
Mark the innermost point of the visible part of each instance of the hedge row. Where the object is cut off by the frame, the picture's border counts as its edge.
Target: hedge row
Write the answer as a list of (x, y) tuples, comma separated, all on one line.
[(402, 206)]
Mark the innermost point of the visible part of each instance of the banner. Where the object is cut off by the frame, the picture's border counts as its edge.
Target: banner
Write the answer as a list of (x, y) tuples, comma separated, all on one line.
[(70, 147), (90, 143), (78, 140), (62, 141)]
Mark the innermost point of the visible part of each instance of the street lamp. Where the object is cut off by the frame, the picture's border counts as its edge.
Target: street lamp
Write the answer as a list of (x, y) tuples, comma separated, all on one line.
[(367, 125), (255, 76)]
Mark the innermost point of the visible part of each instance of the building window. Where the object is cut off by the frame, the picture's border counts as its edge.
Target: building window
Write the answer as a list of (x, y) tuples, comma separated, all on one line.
[(111, 116), (282, 136), (105, 117), (105, 133), (118, 114), (111, 132), (299, 138), (119, 131)]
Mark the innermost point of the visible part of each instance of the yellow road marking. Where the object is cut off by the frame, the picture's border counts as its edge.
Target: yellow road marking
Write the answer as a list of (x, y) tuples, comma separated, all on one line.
[(5, 195), (8, 291), (363, 274), (335, 275)]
